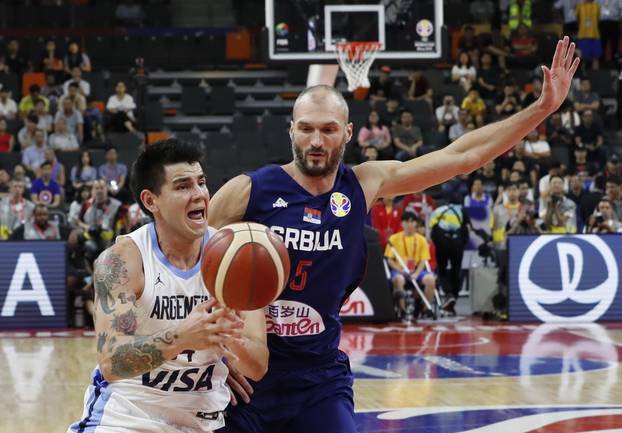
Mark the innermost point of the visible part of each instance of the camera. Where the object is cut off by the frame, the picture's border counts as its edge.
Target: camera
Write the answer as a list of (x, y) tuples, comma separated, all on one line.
[(556, 198), (599, 219)]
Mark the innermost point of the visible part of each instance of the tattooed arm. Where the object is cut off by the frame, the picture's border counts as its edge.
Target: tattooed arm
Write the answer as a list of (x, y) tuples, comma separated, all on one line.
[(119, 281)]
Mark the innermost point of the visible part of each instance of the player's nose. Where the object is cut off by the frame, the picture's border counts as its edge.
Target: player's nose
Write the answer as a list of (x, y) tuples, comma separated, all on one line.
[(316, 139)]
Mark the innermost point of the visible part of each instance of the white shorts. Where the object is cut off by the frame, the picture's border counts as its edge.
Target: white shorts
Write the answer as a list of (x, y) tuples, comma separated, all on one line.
[(106, 411)]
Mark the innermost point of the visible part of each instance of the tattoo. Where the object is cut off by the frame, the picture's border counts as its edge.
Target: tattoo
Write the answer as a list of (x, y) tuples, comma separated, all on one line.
[(110, 270), (125, 299), (101, 340), (167, 338), (129, 360), (125, 323)]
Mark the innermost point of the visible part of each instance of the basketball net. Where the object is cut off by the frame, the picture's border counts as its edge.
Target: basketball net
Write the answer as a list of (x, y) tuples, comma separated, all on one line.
[(355, 59)]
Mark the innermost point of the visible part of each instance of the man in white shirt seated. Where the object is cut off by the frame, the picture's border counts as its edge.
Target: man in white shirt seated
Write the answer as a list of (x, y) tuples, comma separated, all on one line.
[(76, 77), (121, 108), (8, 107)]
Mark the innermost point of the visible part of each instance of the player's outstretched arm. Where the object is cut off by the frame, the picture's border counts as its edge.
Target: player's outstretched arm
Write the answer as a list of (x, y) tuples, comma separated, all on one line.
[(229, 204), (252, 348), (474, 149), (122, 353)]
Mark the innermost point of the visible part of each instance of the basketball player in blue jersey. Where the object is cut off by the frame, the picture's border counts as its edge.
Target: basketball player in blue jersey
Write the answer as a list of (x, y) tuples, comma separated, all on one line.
[(318, 206), (160, 342)]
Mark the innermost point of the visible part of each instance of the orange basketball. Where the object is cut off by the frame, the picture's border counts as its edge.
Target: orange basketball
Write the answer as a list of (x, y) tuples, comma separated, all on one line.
[(245, 266)]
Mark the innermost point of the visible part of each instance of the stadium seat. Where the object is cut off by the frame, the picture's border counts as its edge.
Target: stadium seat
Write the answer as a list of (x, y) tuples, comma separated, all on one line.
[(243, 124), (9, 160), (11, 82), (193, 101), (30, 78), (154, 116), (69, 160), (422, 114), (154, 136), (222, 100), (604, 82)]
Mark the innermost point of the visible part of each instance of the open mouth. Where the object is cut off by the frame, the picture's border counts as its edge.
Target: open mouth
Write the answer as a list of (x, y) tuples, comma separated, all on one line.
[(197, 214)]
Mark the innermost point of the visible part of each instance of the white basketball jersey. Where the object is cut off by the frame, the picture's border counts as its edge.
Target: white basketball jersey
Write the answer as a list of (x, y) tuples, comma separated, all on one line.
[(190, 390)]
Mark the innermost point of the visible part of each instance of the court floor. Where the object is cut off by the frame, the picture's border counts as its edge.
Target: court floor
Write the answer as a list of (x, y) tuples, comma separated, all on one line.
[(463, 377)]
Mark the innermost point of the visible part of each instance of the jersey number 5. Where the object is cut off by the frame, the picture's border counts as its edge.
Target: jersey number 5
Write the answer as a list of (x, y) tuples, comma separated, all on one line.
[(300, 279)]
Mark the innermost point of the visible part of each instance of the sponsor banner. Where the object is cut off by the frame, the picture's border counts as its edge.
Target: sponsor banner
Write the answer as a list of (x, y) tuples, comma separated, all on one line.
[(32, 285), (565, 278), (357, 305), (293, 319)]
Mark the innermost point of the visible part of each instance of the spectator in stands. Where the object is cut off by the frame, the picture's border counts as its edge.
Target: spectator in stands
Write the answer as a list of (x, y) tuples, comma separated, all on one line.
[(478, 205), (524, 48), (52, 91), (420, 203), (19, 173), (525, 193), (534, 94), (588, 36), (570, 118), (121, 107), (504, 216), (369, 153), (592, 196), (490, 178), (113, 172), (481, 11), (76, 59), (463, 72), (58, 169), (557, 211), (52, 63), (526, 223), (5, 183), (7, 141), (34, 156), (613, 167), (14, 209), (27, 103), (84, 173), (407, 137), (488, 78), (40, 227), (78, 100), (102, 217), (579, 163), (604, 220), (129, 13), (569, 10), (497, 45), (478, 197), (386, 218), (590, 134), (516, 159), (136, 217), (93, 122), (519, 13), (557, 134), (83, 194), (46, 121), (8, 107), (475, 106), (15, 59), (419, 87), (381, 88), (390, 113), (614, 194), (538, 150), (414, 251), (376, 134), (576, 191), (72, 117), (458, 129), (4, 69), (458, 186), (585, 99), (609, 25), (469, 43), (555, 170), (46, 190), (450, 233), (84, 87), (62, 140), (447, 114), (508, 102)]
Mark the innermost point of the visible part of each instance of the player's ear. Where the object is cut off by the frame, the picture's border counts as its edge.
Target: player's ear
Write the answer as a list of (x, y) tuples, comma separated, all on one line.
[(148, 200), (349, 129), (291, 130)]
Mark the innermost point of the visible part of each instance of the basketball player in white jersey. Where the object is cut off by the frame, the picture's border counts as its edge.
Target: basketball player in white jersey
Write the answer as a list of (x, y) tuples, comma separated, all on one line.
[(160, 341), (305, 196)]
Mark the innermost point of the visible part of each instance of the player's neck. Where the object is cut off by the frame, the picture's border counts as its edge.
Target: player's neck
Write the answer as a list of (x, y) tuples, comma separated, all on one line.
[(181, 253), (315, 185)]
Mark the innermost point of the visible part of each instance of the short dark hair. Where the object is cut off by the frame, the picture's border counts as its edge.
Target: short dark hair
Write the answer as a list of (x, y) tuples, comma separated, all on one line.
[(34, 88), (409, 216), (614, 179), (556, 176), (148, 169), (74, 84), (45, 164)]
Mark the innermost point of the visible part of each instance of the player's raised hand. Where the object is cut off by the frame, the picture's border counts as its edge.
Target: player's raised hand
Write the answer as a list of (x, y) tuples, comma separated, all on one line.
[(558, 77)]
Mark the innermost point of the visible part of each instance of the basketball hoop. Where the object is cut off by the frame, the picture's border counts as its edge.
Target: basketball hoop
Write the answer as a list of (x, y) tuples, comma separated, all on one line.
[(355, 59)]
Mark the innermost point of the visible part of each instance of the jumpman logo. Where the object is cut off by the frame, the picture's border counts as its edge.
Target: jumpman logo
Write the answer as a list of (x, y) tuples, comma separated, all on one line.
[(158, 280)]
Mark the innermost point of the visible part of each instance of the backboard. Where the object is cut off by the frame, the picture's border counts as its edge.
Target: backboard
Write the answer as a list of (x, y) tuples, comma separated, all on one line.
[(307, 30)]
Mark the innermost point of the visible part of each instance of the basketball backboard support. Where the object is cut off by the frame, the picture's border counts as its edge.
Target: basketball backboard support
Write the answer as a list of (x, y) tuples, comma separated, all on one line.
[(307, 30)]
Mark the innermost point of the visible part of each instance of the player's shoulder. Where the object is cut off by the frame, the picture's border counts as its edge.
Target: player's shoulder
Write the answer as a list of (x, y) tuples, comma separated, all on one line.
[(124, 249), (230, 202)]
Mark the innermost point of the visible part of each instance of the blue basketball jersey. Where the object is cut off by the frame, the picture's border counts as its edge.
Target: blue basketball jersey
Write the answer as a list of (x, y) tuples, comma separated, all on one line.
[(327, 250)]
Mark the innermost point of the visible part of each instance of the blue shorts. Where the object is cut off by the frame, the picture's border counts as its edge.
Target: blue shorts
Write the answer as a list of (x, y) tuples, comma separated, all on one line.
[(420, 277), (590, 48), (305, 400)]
